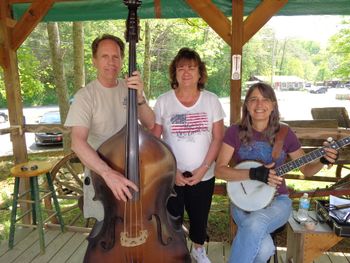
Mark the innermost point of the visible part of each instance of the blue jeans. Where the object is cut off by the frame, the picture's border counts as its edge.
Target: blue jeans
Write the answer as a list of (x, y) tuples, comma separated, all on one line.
[(253, 242)]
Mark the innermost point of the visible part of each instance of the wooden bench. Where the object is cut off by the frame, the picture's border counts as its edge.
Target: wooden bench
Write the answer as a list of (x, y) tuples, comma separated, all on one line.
[(312, 134), (338, 113)]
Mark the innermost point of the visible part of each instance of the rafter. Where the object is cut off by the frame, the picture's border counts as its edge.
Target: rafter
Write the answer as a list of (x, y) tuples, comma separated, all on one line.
[(10, 22), (31, 1), (260, 16), (29, 21), (222, 25), (2, 54), (214, 18), (157, 9)]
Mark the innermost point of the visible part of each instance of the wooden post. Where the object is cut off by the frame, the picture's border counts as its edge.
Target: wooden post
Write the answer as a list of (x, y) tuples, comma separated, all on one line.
[(236, 61), (12, 85), (13, 94), (12, 35)]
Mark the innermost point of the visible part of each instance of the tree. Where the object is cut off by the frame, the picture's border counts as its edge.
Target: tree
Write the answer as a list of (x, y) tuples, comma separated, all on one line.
[(339, 49), (59, 76), (147, 61), (78, 48)]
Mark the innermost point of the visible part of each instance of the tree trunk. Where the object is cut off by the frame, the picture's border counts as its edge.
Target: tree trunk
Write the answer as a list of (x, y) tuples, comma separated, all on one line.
[(147, 62), (78, 47), (59, 76), (283, 55)]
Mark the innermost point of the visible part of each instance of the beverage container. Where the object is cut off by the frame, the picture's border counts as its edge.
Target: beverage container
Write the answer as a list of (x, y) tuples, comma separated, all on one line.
[(304, 205)]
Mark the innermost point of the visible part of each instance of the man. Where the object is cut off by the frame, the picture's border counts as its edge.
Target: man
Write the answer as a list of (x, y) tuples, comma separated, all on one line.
[(98, 112)]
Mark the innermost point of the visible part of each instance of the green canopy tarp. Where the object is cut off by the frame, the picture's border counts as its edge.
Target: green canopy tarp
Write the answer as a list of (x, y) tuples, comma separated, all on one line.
[(115, 9)]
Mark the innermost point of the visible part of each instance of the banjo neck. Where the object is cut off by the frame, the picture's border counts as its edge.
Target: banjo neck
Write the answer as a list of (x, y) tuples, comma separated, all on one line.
[(310, 157)]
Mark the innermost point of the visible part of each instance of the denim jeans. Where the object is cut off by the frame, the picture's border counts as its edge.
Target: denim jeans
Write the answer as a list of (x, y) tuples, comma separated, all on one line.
[(253, 242)]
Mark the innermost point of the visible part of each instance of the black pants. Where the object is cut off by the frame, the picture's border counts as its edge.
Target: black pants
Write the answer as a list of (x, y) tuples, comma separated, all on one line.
[(196, 200)]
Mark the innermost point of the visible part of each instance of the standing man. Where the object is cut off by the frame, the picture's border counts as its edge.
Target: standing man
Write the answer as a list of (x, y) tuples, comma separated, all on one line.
[(98, 112)]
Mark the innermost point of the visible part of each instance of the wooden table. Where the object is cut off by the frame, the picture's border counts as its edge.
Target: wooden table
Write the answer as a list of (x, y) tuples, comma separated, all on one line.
[(303, 246)]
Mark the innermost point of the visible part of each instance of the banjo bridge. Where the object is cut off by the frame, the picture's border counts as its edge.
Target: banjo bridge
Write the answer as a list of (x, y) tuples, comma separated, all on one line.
[(244, 191)]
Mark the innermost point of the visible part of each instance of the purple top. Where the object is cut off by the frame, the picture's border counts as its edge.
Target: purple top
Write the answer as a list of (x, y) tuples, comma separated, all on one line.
[(260, 150)]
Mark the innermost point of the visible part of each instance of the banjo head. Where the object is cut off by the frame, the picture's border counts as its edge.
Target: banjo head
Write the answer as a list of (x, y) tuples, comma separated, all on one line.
[(250, 195)]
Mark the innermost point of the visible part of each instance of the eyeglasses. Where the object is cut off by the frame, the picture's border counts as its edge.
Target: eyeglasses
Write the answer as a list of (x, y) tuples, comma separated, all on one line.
[(256, 100)]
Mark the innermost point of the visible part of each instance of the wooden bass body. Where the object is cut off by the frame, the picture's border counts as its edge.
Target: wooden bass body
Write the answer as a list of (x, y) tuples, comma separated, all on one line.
[(138, 230)]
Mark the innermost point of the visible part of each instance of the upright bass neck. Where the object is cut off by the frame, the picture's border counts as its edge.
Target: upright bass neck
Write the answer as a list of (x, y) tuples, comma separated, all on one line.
[(132, 142)]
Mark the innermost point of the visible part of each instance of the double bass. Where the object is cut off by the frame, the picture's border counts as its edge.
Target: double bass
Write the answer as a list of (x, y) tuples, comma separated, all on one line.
[(141, 229)]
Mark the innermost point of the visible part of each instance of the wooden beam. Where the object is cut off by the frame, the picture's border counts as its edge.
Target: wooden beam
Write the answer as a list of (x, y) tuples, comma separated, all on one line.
[(2, 54), (157, 9), (31, 1), (12, 84), (29, 21), (11, 22), (236, 50), (214, 18), (222, 25), (13, 95), (260, 16)]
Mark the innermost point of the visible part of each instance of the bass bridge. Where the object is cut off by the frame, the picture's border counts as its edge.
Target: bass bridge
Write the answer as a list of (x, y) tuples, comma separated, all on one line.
[(127, 241)]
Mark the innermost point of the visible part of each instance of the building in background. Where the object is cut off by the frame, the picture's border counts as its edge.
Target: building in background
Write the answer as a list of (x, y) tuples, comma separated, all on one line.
[(282, 82)]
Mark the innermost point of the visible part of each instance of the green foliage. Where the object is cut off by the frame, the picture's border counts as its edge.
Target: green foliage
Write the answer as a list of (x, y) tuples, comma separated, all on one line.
[(339, 48), (263, 55), (29, 69)]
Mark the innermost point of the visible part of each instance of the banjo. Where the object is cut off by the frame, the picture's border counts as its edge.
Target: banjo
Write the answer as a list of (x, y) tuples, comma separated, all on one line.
[(252, 195)]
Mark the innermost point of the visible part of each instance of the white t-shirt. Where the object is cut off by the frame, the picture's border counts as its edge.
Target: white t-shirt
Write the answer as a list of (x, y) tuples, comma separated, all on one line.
[(188, 130), (102, 110)]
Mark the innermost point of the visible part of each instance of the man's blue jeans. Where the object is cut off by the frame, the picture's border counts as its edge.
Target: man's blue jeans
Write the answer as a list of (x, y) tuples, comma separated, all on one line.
[(253, 242)]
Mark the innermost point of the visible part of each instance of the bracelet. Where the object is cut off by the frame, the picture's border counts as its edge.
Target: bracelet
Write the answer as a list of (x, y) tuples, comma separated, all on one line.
[(142, 102)]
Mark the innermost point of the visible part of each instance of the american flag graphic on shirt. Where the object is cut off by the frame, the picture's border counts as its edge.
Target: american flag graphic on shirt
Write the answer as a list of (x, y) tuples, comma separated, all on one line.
[(189, 123)]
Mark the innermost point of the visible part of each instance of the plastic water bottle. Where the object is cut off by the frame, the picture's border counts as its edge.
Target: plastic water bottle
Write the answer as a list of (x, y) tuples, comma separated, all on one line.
[(304, 205)]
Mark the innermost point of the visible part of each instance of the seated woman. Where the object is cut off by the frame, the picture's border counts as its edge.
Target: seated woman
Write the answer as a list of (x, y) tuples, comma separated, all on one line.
[(253, 139)]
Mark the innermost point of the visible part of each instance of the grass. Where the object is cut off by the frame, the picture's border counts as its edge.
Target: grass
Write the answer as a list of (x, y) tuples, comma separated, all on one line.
[(219, 218)]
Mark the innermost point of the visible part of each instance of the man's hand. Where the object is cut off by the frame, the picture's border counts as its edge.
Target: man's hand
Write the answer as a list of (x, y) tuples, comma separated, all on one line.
[(119, 185), (135, 82)]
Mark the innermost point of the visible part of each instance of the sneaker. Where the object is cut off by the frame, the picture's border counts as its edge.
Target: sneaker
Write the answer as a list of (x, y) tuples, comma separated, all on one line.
[(199, 255)]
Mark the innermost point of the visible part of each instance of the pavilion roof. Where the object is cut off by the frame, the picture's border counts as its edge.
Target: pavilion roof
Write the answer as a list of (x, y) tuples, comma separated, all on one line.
[(85, 10)]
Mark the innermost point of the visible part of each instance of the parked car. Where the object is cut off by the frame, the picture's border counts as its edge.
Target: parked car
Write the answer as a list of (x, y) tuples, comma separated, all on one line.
[(49, 138), (318, 89), (3, 117)]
